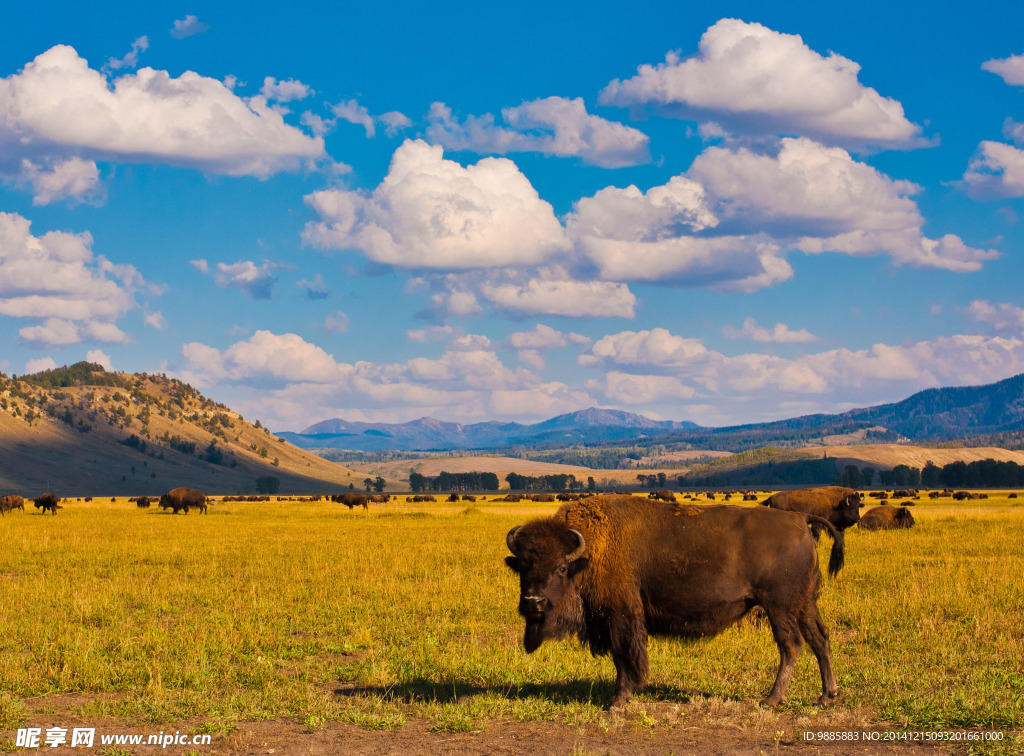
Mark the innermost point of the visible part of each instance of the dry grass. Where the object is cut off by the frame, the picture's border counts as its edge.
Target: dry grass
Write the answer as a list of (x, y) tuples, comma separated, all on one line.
[(263, 611)]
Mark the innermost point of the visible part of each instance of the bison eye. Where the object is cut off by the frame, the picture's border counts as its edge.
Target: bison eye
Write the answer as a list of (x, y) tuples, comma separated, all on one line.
[(561, 570)]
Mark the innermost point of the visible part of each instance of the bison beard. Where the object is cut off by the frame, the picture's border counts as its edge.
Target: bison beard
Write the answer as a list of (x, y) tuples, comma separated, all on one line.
[(614, 570)]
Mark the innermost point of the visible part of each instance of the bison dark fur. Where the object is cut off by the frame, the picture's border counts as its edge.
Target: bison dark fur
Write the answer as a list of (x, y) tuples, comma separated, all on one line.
[(840, 506), (886, 517), (613, 570), (183, 499), (352, 500), (46, 502), (11, 502)]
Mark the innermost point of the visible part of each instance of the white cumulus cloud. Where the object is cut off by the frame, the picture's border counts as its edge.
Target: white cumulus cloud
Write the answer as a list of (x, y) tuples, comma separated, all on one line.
[(753, 79), (55, 278), (186, 27), (429, 212), (57, 107), (1010, 70)]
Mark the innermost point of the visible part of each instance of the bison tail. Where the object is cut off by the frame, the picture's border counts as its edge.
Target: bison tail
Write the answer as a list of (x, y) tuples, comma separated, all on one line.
[(838, 555)]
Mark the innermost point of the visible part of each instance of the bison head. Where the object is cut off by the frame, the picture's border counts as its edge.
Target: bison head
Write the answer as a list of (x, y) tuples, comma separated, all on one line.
[(547, 556), (847, 511), (903, 518)]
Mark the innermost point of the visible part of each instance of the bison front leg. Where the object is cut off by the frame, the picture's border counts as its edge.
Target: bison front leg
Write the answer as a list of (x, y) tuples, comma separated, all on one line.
[(629, 653)]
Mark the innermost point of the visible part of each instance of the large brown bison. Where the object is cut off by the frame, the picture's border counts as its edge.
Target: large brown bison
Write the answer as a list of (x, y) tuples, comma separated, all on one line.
[(11, 502), (886, 517), (351, 500), (46, 502), (840, 506), (662, 494), (613, 570), (183, 499)]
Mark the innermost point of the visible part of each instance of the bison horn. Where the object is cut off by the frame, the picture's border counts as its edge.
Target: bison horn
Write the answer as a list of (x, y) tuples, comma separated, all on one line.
[(579, 549), (511, 537)]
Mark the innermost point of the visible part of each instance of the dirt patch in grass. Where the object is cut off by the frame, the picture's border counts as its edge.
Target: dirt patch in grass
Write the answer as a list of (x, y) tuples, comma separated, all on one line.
[(703, 728)]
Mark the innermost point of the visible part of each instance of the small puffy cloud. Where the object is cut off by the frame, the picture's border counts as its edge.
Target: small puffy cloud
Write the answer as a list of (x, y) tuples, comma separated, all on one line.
[(429, 212), (654, 347), (531, 357), (38, 366), (429, 335), (255, 280), (995, 171), (1010, 70), (315, 287), (155, 320), (642, 389), (266, 357), (57, 107), (186, 27), (780, 334), (72, 179), (541, 337), (99, 357), (557, 295), (131, 59), (394, 122), (754, 80), (470, 342), (56, 278), (60, 332), (1002, 317), (284, 91), (336, 323), (552, 126), (352, 112)]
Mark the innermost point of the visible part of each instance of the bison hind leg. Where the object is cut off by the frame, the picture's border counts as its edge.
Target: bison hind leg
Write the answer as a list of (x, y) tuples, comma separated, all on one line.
[(816, 635), (786, 631)]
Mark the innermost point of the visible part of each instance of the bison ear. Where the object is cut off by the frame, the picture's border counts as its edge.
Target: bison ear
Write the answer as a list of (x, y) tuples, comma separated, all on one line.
[(578, 565), (513, 563)]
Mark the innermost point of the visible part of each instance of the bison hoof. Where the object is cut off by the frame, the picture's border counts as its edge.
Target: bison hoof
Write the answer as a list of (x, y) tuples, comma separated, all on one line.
[(827, 699), (771, 702), (619, 703)]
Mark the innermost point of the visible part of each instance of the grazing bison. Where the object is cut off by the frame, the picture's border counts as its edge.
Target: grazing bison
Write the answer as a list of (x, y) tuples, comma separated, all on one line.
[(886, 517), (840, 506), (614, 569), (143, 502), (183, 499), (46, 502), (662, 495), (351, 500), (11, 502)]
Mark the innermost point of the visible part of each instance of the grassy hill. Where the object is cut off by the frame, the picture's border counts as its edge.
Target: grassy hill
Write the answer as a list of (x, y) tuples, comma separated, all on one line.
[(81, 430)]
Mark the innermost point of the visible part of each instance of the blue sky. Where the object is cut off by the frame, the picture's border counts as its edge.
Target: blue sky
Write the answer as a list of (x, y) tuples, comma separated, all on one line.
[(476, 212)]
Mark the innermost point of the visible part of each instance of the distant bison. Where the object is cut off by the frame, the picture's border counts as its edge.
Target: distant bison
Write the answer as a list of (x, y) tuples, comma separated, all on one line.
[(11, 502), (46, 502), (143, 502), (351, 500), (183, 499), (662, 495), (613, 570), (840, 506), (886, 517)]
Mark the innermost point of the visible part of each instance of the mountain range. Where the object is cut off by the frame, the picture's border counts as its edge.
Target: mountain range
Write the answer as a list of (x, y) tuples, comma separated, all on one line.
[(941, 414), (428, 434)]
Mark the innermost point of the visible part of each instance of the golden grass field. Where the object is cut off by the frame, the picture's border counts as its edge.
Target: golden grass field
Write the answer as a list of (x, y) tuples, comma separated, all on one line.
[(314, 619)]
